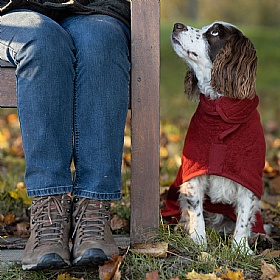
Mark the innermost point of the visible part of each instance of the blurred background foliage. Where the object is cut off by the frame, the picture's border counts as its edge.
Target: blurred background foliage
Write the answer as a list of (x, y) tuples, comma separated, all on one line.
[(251, 12), (258, 19)]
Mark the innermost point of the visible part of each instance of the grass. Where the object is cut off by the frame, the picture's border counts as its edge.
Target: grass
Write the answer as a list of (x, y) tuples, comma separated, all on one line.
[(14, 272), (184, 256)]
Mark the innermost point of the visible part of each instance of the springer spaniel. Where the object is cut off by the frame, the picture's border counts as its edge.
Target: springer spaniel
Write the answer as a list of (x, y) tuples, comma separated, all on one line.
[(224, 151)]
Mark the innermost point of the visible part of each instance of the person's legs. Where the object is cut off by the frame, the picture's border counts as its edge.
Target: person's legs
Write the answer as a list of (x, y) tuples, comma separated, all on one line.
[(100, 109), (101, 103), (45, 59), (43, 54)]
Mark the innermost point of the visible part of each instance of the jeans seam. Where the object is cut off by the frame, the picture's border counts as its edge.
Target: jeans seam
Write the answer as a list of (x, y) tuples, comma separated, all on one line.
[(76, 133)]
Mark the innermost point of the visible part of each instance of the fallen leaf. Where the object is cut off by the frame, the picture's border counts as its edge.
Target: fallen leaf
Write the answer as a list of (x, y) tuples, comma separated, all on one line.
[(110, 270), (274, 186), (10, 219), (152, 275), (268, 254), (118, 223), (270, 202), (269, 271), (158, 249), (197, 276), (233, 275), (22, 229), (66, 276), (269, 171)]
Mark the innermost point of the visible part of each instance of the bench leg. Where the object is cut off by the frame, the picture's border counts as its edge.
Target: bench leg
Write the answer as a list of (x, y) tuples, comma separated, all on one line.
[(145, 122)]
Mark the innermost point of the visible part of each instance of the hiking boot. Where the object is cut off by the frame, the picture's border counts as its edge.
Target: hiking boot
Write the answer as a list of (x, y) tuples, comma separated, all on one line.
[(48, 244), (93, 241)]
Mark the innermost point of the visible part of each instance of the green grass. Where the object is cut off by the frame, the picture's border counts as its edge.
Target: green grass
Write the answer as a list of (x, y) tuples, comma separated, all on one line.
[(183, 257), (14, 272)]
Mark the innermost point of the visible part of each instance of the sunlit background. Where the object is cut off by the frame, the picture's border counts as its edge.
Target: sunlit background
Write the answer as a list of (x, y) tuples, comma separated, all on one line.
[(258, 19)]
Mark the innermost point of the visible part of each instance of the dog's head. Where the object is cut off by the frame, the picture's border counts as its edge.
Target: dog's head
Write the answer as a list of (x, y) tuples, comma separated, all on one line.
[(221, 60)]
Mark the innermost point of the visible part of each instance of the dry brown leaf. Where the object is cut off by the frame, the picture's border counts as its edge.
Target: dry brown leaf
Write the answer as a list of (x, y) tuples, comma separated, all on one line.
[(274, 186), (270, 202), (177, 278), (9, 219), (269, 171), (118, 223), (233, 275), (158, 249), (269, 271), (268, 254), (22, 229), (152, 275), (197, 276), (110, 270)]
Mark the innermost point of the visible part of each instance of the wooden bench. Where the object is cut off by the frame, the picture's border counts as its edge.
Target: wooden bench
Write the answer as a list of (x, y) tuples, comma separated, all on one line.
[(145, 129)]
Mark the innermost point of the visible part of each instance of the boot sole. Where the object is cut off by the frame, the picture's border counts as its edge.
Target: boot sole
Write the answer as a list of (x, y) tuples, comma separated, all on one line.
[(48, 261), (91, 257)]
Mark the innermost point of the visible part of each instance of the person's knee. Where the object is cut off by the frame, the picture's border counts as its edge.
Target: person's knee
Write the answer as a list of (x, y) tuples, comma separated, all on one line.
[(47, 41), (110, 33), (103, 37)]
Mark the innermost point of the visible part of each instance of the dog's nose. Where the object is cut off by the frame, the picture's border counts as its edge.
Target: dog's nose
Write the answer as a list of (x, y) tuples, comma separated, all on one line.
[(180, 27)]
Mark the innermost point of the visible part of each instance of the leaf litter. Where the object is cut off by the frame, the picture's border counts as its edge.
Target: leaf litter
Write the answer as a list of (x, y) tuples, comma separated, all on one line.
[(15, 224)]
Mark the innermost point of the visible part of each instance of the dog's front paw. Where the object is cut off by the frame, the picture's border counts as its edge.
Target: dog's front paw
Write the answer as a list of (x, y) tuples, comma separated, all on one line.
[(241, 246), (199, 238)]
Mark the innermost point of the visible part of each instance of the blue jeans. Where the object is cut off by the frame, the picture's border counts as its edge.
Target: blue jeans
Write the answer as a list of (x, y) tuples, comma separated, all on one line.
[(73, 92)]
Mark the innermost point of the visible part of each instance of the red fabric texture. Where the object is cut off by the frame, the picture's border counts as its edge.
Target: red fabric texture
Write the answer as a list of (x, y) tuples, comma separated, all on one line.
[(225, 138)]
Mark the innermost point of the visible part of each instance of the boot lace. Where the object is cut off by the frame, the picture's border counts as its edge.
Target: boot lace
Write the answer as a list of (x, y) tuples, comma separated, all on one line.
[(91, 218), (48, 220)]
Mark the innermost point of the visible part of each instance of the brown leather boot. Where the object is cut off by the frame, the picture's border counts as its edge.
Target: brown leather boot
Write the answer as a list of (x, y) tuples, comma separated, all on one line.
[(93, 241), (50, 223)]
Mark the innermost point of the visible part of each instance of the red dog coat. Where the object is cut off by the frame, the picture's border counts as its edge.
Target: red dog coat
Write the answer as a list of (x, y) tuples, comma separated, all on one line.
[(225, 138)]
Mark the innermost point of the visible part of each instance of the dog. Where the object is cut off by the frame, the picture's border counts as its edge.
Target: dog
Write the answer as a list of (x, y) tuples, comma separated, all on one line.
[(224, 150)]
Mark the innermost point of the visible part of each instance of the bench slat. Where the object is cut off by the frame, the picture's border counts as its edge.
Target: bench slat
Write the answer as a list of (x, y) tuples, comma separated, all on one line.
[(7, 85)]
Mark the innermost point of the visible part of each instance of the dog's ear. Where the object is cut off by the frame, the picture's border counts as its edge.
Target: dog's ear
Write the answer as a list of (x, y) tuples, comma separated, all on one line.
[(234, 68), (191, 88)]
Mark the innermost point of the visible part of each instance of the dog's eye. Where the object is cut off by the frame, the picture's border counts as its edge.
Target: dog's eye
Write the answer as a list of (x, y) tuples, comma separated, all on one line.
[(214, 33)]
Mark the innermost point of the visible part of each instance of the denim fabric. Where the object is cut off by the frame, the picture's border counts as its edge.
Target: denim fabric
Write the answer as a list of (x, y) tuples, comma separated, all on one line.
[(73, 90)]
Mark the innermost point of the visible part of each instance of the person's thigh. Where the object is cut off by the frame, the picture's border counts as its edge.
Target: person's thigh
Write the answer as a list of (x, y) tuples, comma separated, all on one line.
[(101, 102), (25, 30), (45, 58)]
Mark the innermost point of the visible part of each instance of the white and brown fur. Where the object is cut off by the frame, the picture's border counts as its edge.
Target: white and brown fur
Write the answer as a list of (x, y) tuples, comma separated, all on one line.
[(222, 62)]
